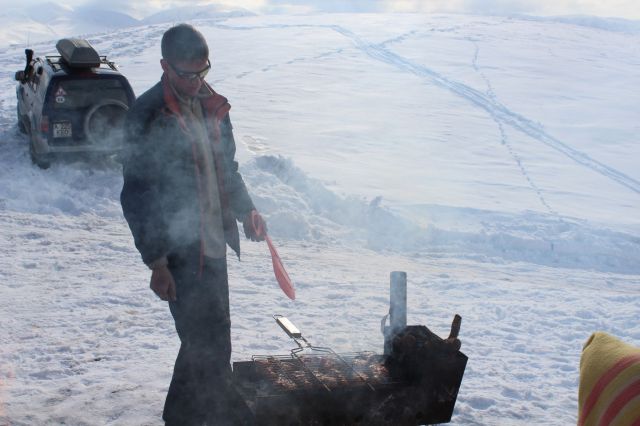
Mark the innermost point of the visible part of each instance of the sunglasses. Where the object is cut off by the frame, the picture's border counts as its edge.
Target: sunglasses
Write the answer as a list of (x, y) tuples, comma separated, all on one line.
[(190, 75)]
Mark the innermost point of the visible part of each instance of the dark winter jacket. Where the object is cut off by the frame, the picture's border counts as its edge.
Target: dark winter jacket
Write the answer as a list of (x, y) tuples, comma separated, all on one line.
[(160, 197)]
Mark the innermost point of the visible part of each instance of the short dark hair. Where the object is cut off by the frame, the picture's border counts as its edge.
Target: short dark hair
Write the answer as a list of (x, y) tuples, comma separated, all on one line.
[(183, 43)]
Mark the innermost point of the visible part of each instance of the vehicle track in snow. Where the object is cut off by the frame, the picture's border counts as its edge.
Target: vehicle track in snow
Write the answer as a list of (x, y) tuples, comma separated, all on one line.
[(270, 67), (398, 39), (504, 139), (494, 108), (130, 41), (498, 111)]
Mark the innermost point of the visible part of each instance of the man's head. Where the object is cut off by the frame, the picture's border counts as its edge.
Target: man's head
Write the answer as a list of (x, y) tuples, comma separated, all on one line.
[(185, 58)]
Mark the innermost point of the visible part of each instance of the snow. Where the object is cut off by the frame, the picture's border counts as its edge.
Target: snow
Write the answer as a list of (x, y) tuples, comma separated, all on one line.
[(494, 159), (188, 13), (48, 21)]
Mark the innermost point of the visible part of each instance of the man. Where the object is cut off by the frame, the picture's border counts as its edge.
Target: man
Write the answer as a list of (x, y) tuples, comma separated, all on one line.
[(182, 195)]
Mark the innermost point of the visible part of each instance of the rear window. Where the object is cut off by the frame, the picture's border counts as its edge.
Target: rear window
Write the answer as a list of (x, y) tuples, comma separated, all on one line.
[(82, 93)]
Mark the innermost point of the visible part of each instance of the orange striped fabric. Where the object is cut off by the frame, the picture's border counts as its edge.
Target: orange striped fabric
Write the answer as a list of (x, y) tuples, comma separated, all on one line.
[(609, 393)]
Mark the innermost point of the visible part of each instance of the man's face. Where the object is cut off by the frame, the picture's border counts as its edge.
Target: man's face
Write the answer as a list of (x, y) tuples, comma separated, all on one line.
[(181, 75)]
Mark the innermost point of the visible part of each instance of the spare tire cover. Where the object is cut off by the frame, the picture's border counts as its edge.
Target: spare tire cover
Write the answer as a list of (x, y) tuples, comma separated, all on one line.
[(103, 124)]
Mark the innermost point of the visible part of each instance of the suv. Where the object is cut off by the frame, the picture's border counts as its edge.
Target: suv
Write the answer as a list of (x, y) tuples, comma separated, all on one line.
[(72, 103)]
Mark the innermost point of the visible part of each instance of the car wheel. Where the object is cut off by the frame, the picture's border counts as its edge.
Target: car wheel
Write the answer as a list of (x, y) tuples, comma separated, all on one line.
[(41, 160)]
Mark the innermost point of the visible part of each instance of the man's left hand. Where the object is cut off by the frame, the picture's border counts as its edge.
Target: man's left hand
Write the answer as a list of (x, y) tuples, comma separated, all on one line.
[(255, 228)]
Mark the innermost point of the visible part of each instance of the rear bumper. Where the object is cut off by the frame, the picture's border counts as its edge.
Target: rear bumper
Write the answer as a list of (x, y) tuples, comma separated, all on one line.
[(83, 148), (42, 146)]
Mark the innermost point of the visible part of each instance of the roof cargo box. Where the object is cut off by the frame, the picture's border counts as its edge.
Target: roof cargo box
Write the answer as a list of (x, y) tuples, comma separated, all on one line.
[(78, 53)]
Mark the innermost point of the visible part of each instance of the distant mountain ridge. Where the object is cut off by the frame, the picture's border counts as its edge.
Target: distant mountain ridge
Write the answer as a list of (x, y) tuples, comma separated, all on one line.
[(188, 13), (50, 21), (606, 24)]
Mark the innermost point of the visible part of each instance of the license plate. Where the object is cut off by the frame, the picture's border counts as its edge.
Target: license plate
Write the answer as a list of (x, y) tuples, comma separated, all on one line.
[(62, 129)]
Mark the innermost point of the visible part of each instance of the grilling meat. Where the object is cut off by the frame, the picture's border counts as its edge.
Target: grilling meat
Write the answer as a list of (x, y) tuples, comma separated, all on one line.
[(285, 374), (330, 370), (326, 371)]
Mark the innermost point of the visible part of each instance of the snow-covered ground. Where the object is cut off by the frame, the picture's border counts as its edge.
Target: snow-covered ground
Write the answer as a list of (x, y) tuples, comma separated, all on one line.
[(494, 159)]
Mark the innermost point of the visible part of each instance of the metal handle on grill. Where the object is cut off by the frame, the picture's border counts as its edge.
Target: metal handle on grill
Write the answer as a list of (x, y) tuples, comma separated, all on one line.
[(293, 332), (288, 327)]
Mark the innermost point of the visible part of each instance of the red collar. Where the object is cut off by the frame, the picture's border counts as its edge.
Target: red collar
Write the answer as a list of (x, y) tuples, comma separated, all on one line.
[(212, 103)]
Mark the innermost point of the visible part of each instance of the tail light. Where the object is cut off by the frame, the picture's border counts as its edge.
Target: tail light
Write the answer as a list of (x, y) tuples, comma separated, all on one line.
[(44, 124)]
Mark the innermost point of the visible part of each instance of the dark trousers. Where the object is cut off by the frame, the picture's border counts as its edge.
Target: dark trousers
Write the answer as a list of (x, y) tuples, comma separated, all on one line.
[(200, 391)]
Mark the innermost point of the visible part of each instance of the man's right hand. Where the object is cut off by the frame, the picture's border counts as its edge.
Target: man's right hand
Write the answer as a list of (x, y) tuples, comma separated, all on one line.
[(162, 283)]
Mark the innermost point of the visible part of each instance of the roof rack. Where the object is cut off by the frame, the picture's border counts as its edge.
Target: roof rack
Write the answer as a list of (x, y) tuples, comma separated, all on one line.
[(57, 62)]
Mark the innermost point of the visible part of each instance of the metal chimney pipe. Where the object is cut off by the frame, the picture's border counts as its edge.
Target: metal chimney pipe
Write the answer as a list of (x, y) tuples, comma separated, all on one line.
[(397, 309), (398, 301)]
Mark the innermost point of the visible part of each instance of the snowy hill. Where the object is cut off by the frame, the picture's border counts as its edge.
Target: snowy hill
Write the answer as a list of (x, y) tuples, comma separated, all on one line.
[(495, 159), (189, 13), (606, 24), (50, 21)]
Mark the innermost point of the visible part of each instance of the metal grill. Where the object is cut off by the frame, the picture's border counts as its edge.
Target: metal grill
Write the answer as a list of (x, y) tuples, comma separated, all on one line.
[(285, 373), (316, 386), (325, 371), (331, 370)]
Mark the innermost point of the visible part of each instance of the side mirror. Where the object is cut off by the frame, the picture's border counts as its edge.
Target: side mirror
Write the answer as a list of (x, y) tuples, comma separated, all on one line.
[(19, 75)]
